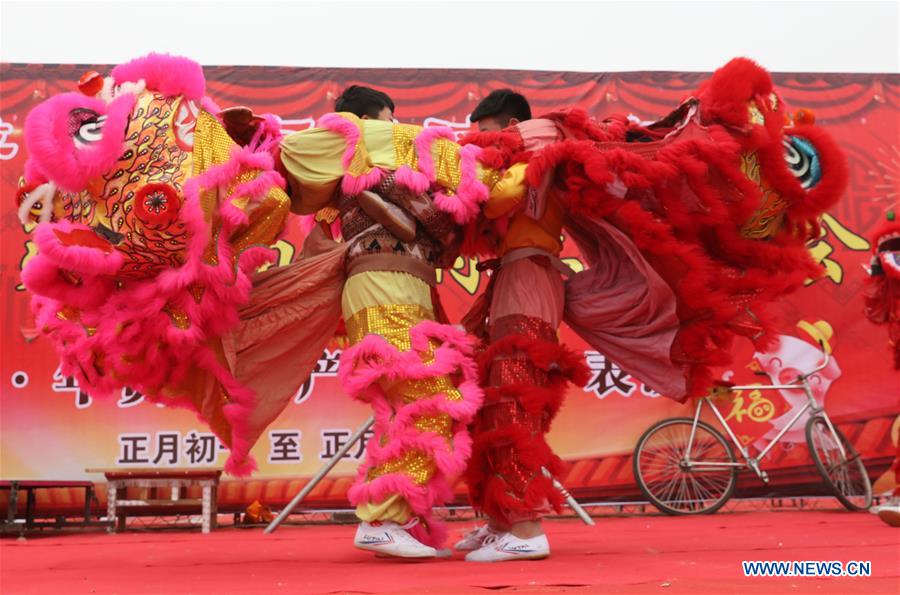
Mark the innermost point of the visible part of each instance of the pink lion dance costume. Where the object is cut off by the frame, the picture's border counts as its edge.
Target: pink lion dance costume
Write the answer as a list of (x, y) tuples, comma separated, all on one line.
[(150, 223)]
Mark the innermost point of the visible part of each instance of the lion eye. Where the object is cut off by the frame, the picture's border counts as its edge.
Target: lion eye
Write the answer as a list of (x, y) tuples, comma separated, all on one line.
[(89, 132), (85, 126)]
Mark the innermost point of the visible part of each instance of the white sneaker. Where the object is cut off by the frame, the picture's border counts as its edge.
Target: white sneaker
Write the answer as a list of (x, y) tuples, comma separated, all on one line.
[(506, 546), (391, 539), (474, 539)]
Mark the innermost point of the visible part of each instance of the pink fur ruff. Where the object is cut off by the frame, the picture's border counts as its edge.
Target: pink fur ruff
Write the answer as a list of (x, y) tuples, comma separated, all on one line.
[(373, 359), (53, 153), (164, 73)]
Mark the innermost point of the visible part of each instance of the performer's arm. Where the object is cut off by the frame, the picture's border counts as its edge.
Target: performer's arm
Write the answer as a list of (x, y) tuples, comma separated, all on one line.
[(508, 193), (436, 223)]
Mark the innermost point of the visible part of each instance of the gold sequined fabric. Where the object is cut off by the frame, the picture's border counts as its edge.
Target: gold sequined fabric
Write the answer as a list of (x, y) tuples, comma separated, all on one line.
[(446, 163), (405, 145), (213, 146), (514, 459), (516, 368), (393, 322)]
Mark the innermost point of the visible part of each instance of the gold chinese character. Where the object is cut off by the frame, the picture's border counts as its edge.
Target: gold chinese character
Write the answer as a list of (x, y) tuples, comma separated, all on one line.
[(465, 272), (285, 254), (821, 250), (30, 252), (758, 409)]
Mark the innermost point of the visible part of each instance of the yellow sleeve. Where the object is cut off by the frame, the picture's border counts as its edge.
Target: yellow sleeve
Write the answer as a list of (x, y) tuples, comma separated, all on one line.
[(507, 193), (313, 161)]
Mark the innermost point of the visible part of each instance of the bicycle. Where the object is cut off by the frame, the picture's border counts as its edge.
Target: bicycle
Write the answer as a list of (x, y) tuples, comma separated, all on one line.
[(685, 466)]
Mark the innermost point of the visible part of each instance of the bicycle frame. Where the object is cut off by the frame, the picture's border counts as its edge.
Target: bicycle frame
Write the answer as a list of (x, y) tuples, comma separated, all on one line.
[(801, 383)]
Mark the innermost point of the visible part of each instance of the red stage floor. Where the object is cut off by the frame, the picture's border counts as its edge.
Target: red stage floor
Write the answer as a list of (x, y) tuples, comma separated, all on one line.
[(619, 555)]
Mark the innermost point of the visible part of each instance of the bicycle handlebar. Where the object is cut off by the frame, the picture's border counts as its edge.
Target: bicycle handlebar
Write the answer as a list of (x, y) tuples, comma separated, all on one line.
[(821, 366)]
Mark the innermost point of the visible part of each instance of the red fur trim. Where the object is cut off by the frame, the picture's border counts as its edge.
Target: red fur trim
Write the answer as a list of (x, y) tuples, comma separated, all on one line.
[(560, 362), (489, 491), (807, 206), (501, 148), (578, 124), (724, 96), (698, 248), (882, 306)]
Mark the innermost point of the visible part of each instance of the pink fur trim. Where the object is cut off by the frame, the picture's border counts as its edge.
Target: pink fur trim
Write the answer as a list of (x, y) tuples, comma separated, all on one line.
[(412, 180), (43, 277), (374, 359), (464, 205), (424, 140), (164, 73), (52, 150), (268, 135), (91, 262), (353, 185), (208, 105), (350, 131)]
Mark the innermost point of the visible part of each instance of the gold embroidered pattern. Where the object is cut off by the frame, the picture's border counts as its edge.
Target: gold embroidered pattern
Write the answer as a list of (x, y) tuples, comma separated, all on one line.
[(766, 221)]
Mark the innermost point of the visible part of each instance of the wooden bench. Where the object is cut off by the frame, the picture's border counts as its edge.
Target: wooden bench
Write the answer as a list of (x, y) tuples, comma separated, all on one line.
[(29, 486), (118, 480)]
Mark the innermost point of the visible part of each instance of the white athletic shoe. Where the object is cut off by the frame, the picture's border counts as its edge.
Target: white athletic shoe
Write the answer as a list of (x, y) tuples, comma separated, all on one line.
[(474, 539), (391, 539), (506, 546)]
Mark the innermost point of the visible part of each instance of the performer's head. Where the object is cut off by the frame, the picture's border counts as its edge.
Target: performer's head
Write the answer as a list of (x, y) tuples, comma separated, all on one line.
[(501, 108), (365, 103)]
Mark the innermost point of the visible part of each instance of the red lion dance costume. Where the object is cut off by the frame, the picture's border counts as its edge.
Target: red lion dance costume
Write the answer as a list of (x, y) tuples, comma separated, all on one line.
[(152, 223), (883, 307), (690, 226)]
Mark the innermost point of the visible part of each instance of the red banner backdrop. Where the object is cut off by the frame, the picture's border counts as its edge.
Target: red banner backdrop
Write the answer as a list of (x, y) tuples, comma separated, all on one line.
[(50, 429)]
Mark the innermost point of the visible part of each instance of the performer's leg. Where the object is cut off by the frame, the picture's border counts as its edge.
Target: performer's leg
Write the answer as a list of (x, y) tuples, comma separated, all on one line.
[(525, 371), (420, 378)]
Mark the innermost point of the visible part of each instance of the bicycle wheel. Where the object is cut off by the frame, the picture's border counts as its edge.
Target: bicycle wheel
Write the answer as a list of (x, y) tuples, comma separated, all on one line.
[(844, 473), (675, 487)]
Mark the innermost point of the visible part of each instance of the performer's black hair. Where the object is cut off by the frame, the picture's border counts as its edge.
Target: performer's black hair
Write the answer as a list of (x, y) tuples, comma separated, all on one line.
[(363, 101), (502, 104)]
